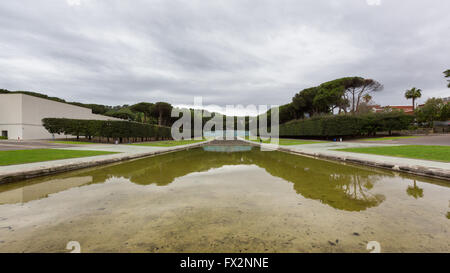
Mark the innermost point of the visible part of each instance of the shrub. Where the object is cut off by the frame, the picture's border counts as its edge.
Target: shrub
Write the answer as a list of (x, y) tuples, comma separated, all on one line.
[(435, 109), (104, 128), (346, 125)]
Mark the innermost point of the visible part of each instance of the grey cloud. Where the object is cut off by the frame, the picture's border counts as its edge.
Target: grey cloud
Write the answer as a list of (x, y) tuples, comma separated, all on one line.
[(229, 52)]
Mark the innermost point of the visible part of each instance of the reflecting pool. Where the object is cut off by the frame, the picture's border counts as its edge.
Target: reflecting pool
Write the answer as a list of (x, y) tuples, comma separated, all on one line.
[(226, 199)]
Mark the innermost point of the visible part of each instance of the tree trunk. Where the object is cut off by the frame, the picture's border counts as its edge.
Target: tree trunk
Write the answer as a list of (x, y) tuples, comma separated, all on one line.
[(360, 94), (353, 101), (414, 100)]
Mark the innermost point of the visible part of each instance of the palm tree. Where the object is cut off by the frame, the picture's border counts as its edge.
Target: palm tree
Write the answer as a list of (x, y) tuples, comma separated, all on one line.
[(413, 94), (447, 75), (415, 191), (367, 98)]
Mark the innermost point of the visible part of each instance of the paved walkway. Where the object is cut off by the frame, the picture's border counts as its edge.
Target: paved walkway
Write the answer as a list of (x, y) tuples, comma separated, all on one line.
[(125, 152), (327, 150), (420, 140), (8, 145)]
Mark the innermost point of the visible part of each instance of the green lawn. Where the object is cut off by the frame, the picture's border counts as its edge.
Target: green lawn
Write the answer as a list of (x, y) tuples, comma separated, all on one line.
[(437, 153), (287, 141), (71, 142), (38, 155), (168, 143), (387, 138)]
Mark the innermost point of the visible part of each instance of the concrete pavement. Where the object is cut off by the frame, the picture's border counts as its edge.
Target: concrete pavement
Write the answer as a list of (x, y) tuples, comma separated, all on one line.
[(9, 145), (420, 140)]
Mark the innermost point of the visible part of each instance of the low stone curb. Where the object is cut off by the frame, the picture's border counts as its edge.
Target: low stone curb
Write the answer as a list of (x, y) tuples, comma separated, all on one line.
[(65, 167), (411, 169)]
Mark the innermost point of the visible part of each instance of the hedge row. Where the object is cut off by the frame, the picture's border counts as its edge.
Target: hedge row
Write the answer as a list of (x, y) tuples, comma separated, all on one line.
[(105, 128), (346, 125)]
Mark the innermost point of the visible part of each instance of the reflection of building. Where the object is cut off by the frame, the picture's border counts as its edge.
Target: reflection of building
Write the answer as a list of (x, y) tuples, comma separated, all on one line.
[(21, 115), (41, 190)]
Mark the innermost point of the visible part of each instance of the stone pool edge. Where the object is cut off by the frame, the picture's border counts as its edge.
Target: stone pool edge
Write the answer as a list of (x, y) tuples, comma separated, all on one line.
[(420, 170), (58, 167)]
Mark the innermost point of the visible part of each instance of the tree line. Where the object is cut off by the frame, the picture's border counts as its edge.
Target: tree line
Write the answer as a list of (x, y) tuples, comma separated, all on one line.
[(342, 96), (106, 129), (353, 95), (346, 125)]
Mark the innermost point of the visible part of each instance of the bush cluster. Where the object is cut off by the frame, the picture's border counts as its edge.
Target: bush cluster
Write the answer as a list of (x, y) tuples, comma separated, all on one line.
[(346, 125), (105, 128)]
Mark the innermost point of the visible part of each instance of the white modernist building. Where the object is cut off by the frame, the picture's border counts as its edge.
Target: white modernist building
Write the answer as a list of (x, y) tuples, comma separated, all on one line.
[(21, 115)]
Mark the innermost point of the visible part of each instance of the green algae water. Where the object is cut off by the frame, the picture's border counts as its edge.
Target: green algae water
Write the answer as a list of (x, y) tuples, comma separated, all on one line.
[(226, 199)]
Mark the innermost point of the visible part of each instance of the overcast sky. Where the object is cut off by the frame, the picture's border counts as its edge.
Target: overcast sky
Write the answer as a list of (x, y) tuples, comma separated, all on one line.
[(229, 52)]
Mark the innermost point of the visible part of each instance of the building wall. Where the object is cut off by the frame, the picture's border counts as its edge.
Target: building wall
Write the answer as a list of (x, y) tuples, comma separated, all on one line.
[(21, 115), (14, 131), (35, 109), (10, 109), (11, 115)]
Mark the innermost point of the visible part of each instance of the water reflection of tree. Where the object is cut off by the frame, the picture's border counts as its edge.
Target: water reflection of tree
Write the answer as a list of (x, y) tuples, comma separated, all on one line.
[(337, 185), (164, 169), (358, 190), (414, 191)]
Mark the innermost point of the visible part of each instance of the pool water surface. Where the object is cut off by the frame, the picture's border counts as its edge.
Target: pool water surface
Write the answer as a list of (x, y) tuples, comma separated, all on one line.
[(226, 199)]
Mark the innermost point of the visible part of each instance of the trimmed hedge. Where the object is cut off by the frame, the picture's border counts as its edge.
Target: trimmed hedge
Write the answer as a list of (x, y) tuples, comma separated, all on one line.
[(105, 128), (346, 125)]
